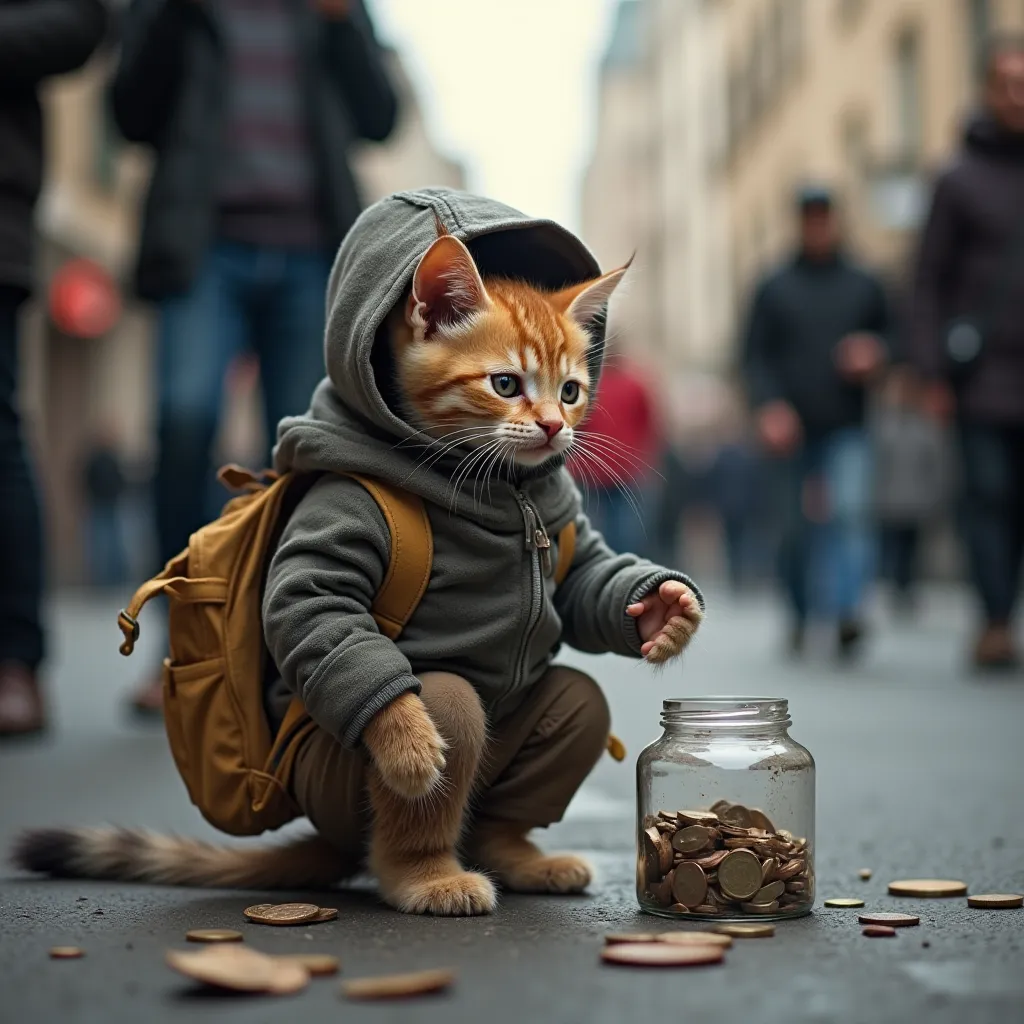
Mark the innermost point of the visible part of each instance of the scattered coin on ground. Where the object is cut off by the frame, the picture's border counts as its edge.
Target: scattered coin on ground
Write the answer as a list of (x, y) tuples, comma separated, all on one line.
[(893, 920), (747, 931), (318, 964), (695, 939), (399, 986), (865, 873), (878, 931), (66, 953), (616, 938), (283, 913), (662, 954), (928, 887), (995, 901), (213, 935), (843, 901), (240, 969), (326, 914), (257, 909)]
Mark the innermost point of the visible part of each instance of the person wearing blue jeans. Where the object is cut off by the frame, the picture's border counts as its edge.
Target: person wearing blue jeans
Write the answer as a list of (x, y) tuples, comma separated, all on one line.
[(250, 108), (816, 339)]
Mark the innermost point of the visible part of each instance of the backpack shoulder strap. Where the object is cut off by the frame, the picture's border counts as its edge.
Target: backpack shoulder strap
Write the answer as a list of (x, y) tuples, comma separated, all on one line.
[(566, 551), (412, 554)]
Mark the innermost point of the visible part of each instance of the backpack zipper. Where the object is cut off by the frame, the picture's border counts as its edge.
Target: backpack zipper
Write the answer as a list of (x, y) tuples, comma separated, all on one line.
[(538, 544)]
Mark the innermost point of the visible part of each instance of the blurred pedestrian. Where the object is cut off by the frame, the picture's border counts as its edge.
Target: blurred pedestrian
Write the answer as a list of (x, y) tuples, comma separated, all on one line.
[(735, 483), (38, 38), (815, 341), (617, 447), (967, 327), (250, 107), (912, 478), (104, 487)]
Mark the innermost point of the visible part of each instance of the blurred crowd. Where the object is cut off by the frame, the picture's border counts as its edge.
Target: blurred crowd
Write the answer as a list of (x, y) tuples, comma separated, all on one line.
[(865, 422)]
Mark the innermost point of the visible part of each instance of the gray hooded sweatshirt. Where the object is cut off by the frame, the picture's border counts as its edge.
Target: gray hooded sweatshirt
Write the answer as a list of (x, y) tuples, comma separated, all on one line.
[(491, 612)]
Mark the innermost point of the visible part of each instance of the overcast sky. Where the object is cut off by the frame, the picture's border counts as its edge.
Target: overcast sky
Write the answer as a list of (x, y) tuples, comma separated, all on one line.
[(508, 88)]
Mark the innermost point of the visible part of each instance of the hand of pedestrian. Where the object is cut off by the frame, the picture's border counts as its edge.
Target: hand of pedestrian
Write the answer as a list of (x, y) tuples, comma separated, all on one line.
[(860, 357), (335, 10), (778, 427), (938, 400), (666, 620)]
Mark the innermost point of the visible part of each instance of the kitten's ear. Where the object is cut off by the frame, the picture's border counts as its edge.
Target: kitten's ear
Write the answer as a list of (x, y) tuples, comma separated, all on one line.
[(582, 302), (446, 286)]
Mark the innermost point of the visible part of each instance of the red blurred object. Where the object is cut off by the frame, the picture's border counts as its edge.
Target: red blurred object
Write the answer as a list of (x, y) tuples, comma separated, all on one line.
[(84, 300)]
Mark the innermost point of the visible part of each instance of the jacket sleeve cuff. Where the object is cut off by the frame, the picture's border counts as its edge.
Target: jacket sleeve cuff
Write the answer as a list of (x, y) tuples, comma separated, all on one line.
[(380, 700), (648, 584)]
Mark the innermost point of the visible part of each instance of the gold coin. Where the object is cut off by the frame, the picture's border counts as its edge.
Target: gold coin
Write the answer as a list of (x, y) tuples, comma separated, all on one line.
[(239, 969), (893, 920), (927, 887), (318, 964), (747, 931), (769, 892), (662, 954), (689, 884), (843, 901), (739, 875), (768, 869), (398, 986), (996, 901), (66, 953), (285, 913), (696, 939), (326, 914), (865, 873), (255, 911), (616, 748), (617, 938), (213, 935)]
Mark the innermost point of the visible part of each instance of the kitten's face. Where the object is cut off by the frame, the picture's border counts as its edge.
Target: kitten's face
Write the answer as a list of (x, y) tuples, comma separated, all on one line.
[(495, 364)]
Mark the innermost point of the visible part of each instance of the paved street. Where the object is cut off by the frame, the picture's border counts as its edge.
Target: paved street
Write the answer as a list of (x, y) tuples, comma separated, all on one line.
[(919, 774)]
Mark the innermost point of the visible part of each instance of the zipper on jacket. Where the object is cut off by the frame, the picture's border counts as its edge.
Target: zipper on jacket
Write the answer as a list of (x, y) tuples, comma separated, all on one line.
[(538, 544)]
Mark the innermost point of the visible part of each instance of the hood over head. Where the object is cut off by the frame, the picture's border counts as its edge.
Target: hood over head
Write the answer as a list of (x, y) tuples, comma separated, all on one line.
[(984, 135), (354, 423)]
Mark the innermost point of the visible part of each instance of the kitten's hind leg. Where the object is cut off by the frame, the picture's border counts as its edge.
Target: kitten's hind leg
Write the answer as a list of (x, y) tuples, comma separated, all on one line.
[(503, 848), (412, 845)]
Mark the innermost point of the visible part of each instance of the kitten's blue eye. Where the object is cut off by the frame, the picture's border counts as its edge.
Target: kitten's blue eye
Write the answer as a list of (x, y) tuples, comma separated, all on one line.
[(570, 392), (506, 385)]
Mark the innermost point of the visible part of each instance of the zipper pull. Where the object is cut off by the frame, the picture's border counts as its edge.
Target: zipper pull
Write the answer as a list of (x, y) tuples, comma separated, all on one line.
[(543, 543)]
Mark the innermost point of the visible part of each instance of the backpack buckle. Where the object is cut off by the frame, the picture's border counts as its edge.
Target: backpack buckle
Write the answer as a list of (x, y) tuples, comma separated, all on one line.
[(130, 627)]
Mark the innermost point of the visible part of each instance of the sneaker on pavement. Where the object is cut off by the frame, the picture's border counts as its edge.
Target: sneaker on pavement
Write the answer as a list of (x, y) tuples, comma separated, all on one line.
[(21, 701), (850, 637), (995, 649)]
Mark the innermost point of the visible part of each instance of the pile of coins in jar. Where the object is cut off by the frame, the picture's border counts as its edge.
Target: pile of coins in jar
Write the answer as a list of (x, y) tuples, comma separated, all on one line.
[(729, 861)]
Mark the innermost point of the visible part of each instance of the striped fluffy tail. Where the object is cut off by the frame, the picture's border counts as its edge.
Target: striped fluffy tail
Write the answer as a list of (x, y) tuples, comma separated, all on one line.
[(127, 855)]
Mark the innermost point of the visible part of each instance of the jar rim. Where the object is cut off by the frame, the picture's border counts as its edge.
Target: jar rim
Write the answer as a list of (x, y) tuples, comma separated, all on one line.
[(725, 711)]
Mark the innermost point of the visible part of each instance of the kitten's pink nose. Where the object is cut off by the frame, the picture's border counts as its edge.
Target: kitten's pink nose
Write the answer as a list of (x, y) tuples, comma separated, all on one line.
[(550, 427)]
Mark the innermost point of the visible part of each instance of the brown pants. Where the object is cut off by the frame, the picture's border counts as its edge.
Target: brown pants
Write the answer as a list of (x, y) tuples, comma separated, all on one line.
[(534, 759)]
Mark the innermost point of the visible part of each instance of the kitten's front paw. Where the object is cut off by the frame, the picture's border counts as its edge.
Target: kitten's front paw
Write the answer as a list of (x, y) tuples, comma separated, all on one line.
[(407, 749), (558, 873), (674, 636), (465, 894)]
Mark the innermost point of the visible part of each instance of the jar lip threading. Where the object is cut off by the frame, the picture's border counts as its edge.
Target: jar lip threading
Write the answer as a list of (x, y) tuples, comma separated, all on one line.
[(725, 712)]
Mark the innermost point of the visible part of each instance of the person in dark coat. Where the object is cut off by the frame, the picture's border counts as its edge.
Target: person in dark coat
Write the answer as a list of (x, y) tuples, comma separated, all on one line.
[(38, 38), (816, 338), (970, 270), (251, 107)]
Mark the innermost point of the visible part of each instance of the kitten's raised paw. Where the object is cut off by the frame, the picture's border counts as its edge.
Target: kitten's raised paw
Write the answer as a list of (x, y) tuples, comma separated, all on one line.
[(407, 749), (564, 873), (464, 894)]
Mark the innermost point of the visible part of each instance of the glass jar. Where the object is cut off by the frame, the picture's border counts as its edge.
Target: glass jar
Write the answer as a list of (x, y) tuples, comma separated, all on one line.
[(725, 813)]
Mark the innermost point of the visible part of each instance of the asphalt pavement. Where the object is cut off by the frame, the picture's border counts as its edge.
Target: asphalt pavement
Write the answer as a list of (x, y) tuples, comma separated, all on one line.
[(920, 771)]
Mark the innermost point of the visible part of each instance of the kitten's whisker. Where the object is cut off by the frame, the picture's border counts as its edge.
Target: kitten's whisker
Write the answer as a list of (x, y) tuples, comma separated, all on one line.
[(459, 475), (618, 446), (631, 499)]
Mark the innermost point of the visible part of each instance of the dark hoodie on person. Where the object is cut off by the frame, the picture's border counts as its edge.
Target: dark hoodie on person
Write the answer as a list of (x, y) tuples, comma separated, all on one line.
[(977, 213), (491, 612)]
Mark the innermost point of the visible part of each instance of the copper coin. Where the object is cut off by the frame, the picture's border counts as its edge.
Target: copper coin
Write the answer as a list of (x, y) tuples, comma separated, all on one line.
[(257, 909), (878, 931), (736, 815), (893, 920), (996, 901), (326, 914), (696, 939), (739, 875), (768, 893), (239, 969), (747, 931), (760, 908), (691, 839), (66, 953), (697, 818), (928, 887), (617, 938), (318, 964), (689, 884), (285, 913), (399, 986), (865, 874), (213, 935), (662, 954), (758, 819)]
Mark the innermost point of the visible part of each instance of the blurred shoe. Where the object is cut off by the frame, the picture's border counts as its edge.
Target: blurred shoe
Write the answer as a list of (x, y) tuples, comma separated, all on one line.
[(797, 640), (148, 700), (21, 701), (849, 639), (995, 649)]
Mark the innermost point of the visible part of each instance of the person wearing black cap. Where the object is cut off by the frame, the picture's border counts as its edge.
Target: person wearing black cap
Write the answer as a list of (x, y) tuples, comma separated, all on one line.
[(967, 337), (816, 338)]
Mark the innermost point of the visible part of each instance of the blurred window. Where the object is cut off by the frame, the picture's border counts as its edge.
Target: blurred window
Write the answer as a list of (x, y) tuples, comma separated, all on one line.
[(909, 113)]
